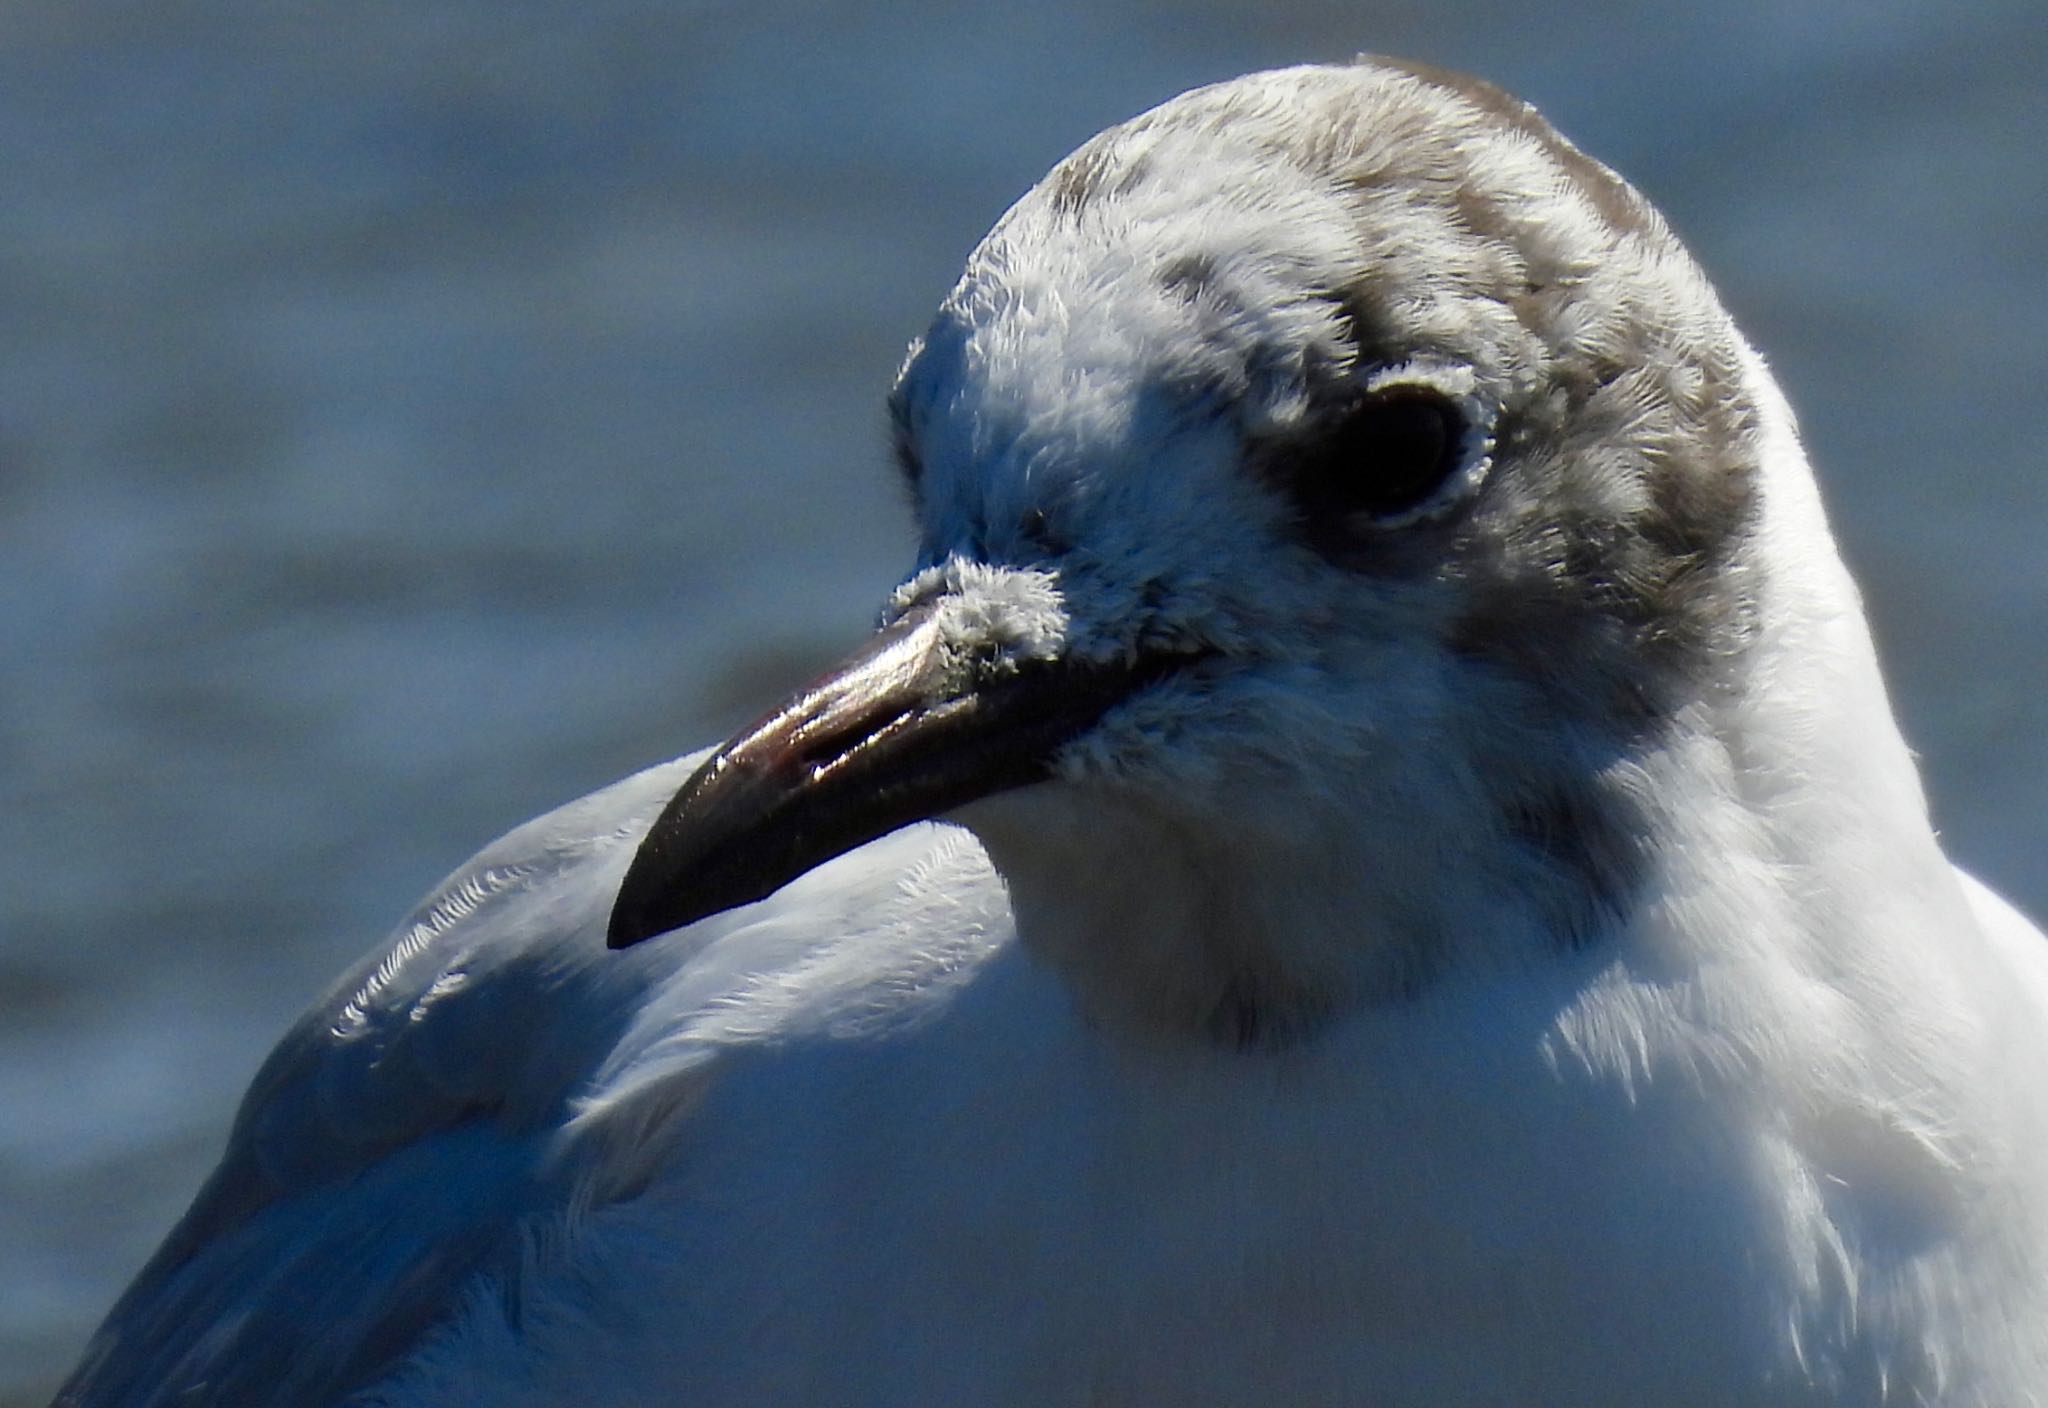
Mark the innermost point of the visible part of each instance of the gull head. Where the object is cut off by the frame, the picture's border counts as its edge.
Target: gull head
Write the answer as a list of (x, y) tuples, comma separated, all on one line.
[(1333, 486)]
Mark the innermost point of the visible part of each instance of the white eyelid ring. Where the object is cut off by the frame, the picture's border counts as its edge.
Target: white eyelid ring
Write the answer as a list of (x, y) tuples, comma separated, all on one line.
[(1477, 414)]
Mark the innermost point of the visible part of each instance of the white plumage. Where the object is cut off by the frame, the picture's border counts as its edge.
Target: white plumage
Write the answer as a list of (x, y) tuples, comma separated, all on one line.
[(1472, 941)]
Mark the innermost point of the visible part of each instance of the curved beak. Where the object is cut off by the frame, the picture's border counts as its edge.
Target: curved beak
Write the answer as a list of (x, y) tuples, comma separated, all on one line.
[(905, 730)]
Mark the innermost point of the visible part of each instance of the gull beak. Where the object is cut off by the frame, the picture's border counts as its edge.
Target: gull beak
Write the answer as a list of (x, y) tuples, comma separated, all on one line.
[(909, 728)]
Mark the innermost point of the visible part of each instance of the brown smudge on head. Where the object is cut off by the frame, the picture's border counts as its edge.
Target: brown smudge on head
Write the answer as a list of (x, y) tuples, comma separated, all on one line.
[(1616, 202), (1367, 327), (1482, 215), (1075, 182), (1098, 170), (1699, 515), (1189, 276)]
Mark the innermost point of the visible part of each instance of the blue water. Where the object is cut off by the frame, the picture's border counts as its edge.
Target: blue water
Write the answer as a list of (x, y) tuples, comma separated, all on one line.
[(413, 416)]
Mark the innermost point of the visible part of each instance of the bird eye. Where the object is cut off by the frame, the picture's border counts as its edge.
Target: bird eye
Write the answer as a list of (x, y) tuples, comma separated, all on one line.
[(1387, 457)]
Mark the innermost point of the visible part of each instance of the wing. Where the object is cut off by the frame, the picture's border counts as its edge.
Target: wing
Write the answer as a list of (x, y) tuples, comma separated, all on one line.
[(385, 1151), (490, 1069)]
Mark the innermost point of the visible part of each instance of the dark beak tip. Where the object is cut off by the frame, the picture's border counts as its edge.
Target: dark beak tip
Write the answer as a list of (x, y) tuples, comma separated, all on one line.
[(890, 739), (637, 919), (641, 910), (651, 903)]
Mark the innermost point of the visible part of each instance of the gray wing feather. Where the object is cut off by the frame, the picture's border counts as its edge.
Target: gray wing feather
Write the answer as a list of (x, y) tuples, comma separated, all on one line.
[(396, 1146)]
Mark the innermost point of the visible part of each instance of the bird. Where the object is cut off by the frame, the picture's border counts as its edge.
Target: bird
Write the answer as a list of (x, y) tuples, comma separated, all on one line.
[(1368, 862)]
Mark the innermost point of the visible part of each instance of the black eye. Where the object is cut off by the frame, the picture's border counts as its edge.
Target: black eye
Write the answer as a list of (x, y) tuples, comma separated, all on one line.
[(1387, 455)]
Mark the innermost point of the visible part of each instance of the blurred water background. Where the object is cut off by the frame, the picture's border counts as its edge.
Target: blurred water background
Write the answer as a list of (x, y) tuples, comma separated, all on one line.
[(414, 415)]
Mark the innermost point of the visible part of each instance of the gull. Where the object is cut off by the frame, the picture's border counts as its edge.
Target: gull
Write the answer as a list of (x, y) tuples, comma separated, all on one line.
[(1369, 863)]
